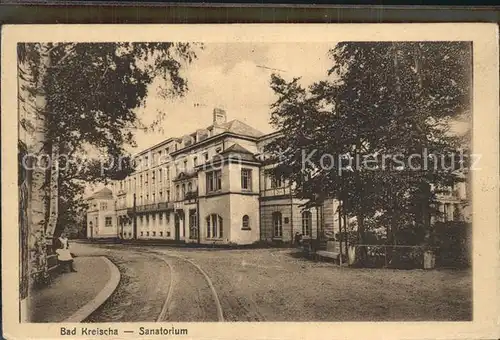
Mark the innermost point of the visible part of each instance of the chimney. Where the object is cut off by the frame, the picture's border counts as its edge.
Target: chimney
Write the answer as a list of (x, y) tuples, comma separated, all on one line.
[(219, 116)]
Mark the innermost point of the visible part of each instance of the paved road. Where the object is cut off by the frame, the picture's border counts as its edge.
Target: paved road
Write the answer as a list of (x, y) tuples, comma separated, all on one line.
[(162, 283), (153, 287)]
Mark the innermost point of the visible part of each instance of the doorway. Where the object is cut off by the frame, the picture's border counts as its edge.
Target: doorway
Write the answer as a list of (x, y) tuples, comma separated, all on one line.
[(177, 225)]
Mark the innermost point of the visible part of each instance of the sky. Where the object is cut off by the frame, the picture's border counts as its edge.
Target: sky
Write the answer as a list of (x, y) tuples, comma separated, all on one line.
[(235, 77), (230, 76)]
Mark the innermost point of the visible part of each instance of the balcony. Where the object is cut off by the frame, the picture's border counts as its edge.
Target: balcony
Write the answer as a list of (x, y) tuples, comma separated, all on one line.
[(153, 207), (191, 195), (185, 174)]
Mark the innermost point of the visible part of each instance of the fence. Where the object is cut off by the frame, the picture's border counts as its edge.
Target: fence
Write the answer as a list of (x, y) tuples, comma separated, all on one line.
[(392, 256)]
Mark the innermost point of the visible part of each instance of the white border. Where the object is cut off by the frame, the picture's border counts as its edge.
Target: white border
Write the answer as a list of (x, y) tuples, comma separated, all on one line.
[(485, 182)]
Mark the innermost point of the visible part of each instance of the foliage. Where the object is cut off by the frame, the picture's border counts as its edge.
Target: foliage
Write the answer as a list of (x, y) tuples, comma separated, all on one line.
[(380, 99), (93, 93), (453, 240)]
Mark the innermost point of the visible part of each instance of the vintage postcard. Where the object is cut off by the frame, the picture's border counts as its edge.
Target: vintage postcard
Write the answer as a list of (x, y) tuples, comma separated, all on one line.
[(311, 181)]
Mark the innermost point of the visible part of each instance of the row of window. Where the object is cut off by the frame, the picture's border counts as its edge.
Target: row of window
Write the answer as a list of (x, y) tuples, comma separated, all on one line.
[(153, 233), (214, 180), (144, 179), (213, 183)]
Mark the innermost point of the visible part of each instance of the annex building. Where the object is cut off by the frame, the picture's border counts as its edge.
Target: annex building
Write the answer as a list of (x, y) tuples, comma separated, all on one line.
[(209, 187)]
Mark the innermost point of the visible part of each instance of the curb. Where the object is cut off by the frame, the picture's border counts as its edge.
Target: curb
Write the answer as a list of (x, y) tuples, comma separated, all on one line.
[(103, 295)]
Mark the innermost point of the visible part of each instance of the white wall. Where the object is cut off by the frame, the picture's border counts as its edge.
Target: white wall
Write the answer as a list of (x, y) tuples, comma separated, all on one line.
[(244, 205)]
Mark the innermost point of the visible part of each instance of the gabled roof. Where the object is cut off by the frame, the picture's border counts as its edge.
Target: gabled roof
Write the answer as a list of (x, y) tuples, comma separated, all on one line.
[(236, 148), (104, 193), (243, 153)]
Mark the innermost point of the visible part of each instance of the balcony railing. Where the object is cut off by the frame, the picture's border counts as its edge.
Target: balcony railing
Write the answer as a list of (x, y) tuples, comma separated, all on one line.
[(191, 195), (153, 207)]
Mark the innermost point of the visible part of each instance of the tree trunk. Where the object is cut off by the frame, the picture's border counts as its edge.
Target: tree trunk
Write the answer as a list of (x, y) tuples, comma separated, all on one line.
[(37, 242), (54, 194), (24, 220)]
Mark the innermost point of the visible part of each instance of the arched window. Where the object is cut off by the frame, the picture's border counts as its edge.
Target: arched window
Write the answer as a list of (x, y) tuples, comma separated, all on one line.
[(214, 226), (245, 222), (277, 224), (306, 223)]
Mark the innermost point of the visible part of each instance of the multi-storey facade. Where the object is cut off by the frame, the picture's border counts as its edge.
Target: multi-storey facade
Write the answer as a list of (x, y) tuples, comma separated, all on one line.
[(101, 215), (212, 187), (208, 187)]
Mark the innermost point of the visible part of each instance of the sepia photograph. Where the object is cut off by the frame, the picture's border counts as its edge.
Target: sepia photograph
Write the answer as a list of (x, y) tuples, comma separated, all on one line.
[(183, 181)]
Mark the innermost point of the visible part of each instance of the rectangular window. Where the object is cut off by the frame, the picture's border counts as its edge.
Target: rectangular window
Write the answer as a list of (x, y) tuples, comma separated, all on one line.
[(161, 233), (161, 216), (185, 164), (218, 180), (104, 206), (214, 226), (205, 155), (159, 175), (177, 193), (246, 179), (147, 178), (195, 161), (214, 180), (160, 196), (168, 195), (154, 233), (108, 222), (141, 180), (168, 174), (183, 191), (153, 198)]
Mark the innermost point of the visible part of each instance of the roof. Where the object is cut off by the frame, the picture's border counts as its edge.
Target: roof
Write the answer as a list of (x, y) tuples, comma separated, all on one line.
[(243, 153), (238, 127), (236, 148), (104, 193)]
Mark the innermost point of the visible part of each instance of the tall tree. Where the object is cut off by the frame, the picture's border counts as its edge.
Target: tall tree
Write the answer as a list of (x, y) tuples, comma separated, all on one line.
[(85, 98), (381, 100)]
